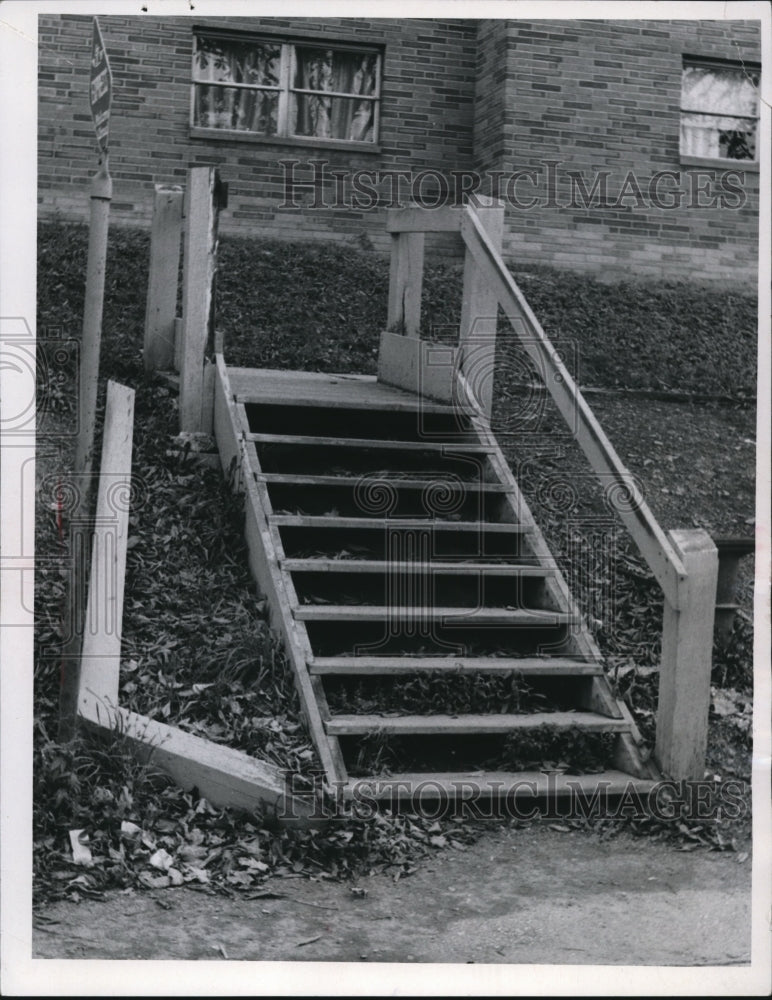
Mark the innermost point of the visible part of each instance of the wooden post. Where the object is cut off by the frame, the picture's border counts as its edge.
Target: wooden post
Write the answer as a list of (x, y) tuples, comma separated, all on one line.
[(687, 647), (200, 264), (88, 377), (101, 655), (163, 278), (405, 283), (479, 309)]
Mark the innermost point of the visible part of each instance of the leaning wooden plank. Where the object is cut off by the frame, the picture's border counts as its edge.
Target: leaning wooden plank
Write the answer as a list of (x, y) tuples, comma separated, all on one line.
[(354, 725), (101, 650), (224, 776), (621, 488)]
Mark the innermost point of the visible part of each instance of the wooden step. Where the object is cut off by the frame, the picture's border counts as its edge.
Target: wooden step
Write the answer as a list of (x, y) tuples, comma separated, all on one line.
[(308, 389), (309, 440), (464, 785), (395, 523), (324, 565), (535, 665), (412, 483), (448, 615), (466, 725)]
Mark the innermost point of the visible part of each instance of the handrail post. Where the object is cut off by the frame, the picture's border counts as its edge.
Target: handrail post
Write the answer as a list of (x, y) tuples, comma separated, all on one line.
[(163, 278), (203, 201), (405, 283), (687, 647), (479, 309)]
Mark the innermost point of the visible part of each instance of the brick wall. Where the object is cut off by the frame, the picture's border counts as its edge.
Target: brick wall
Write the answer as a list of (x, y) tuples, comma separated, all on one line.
[(592, 96), (563, 99), (426, 121)]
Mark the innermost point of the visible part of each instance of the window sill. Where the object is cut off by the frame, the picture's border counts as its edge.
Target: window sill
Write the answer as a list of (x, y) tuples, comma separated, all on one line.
[(751, 166), (306, 142)]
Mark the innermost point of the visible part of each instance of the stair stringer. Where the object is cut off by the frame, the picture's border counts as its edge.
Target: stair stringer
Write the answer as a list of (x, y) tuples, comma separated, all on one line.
[(600, 698), (264, 551)]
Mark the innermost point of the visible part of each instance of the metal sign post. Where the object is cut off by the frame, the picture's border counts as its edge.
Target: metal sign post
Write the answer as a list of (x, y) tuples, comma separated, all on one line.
[(100, 97)]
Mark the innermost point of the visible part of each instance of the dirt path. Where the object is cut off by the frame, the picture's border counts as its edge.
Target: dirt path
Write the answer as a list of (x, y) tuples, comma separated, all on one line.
[(531, 895)]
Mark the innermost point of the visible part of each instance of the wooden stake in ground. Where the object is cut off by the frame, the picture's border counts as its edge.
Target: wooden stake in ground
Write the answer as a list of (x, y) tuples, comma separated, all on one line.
[(88, 375)]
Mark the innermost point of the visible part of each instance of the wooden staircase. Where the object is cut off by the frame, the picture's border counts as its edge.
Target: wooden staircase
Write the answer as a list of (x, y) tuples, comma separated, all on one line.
[(394, 544), (415, 596)]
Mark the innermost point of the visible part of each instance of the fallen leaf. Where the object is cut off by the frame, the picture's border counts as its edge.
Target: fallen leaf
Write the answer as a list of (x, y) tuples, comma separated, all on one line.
[(162, 859), (81, 852)]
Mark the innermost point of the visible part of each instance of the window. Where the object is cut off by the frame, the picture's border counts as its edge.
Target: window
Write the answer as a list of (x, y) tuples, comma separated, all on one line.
[(719, 110), (266, 87)]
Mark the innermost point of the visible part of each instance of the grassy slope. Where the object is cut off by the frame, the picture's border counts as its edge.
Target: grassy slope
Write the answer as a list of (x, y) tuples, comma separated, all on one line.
[(322, 307)]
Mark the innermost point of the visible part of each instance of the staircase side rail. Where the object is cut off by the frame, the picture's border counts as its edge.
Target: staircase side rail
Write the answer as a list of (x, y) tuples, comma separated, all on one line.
[(658, 551)]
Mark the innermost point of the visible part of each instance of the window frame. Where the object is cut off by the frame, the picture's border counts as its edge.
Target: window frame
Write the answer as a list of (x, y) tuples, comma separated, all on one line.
[(288, 45), (710, 62)]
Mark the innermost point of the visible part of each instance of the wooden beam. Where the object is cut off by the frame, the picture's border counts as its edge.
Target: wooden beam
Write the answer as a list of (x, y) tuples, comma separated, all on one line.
[(443, 615), (633, 510), (539, 666), (423, 220), (418, 366), (198, 293), (479, 311), (224, 776), (161, 308), (225, 429), (684, 676), (372, 444), (350, 725), (265, 569), (101, 652), (517, 786), (405, 283)]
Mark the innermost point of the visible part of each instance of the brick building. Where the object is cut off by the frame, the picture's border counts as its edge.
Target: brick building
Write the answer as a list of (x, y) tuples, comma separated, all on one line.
[(618, 147)]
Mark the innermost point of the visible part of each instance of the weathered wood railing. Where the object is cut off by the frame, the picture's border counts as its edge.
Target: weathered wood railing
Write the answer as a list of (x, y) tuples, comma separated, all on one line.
[(684, 563), (185, 343)]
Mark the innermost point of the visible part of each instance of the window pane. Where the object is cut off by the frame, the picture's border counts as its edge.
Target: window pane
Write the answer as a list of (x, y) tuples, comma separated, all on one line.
[(333, 118), (235, 109), (226, 61), (332, 69), (718, 136), (721, 90)]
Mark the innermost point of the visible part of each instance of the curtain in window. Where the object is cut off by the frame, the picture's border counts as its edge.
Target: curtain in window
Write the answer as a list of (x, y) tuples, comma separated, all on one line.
[(341, 73), (712, 97), (236, 108)]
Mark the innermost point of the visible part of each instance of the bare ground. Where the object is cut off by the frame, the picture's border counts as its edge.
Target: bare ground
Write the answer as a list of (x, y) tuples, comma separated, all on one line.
[(527, 895)]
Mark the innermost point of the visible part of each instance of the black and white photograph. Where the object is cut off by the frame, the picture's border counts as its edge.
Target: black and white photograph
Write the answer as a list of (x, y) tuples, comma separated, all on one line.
[(385, 524)]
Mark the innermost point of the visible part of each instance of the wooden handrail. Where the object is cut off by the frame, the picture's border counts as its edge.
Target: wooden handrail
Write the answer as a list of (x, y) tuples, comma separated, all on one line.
[(655, 547)]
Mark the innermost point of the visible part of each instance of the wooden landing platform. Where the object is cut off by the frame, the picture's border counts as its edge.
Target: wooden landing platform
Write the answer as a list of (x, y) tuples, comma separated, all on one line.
[(362, 392)]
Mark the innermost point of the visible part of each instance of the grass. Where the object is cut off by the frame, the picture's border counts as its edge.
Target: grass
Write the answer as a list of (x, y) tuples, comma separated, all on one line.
[(197, 650)]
